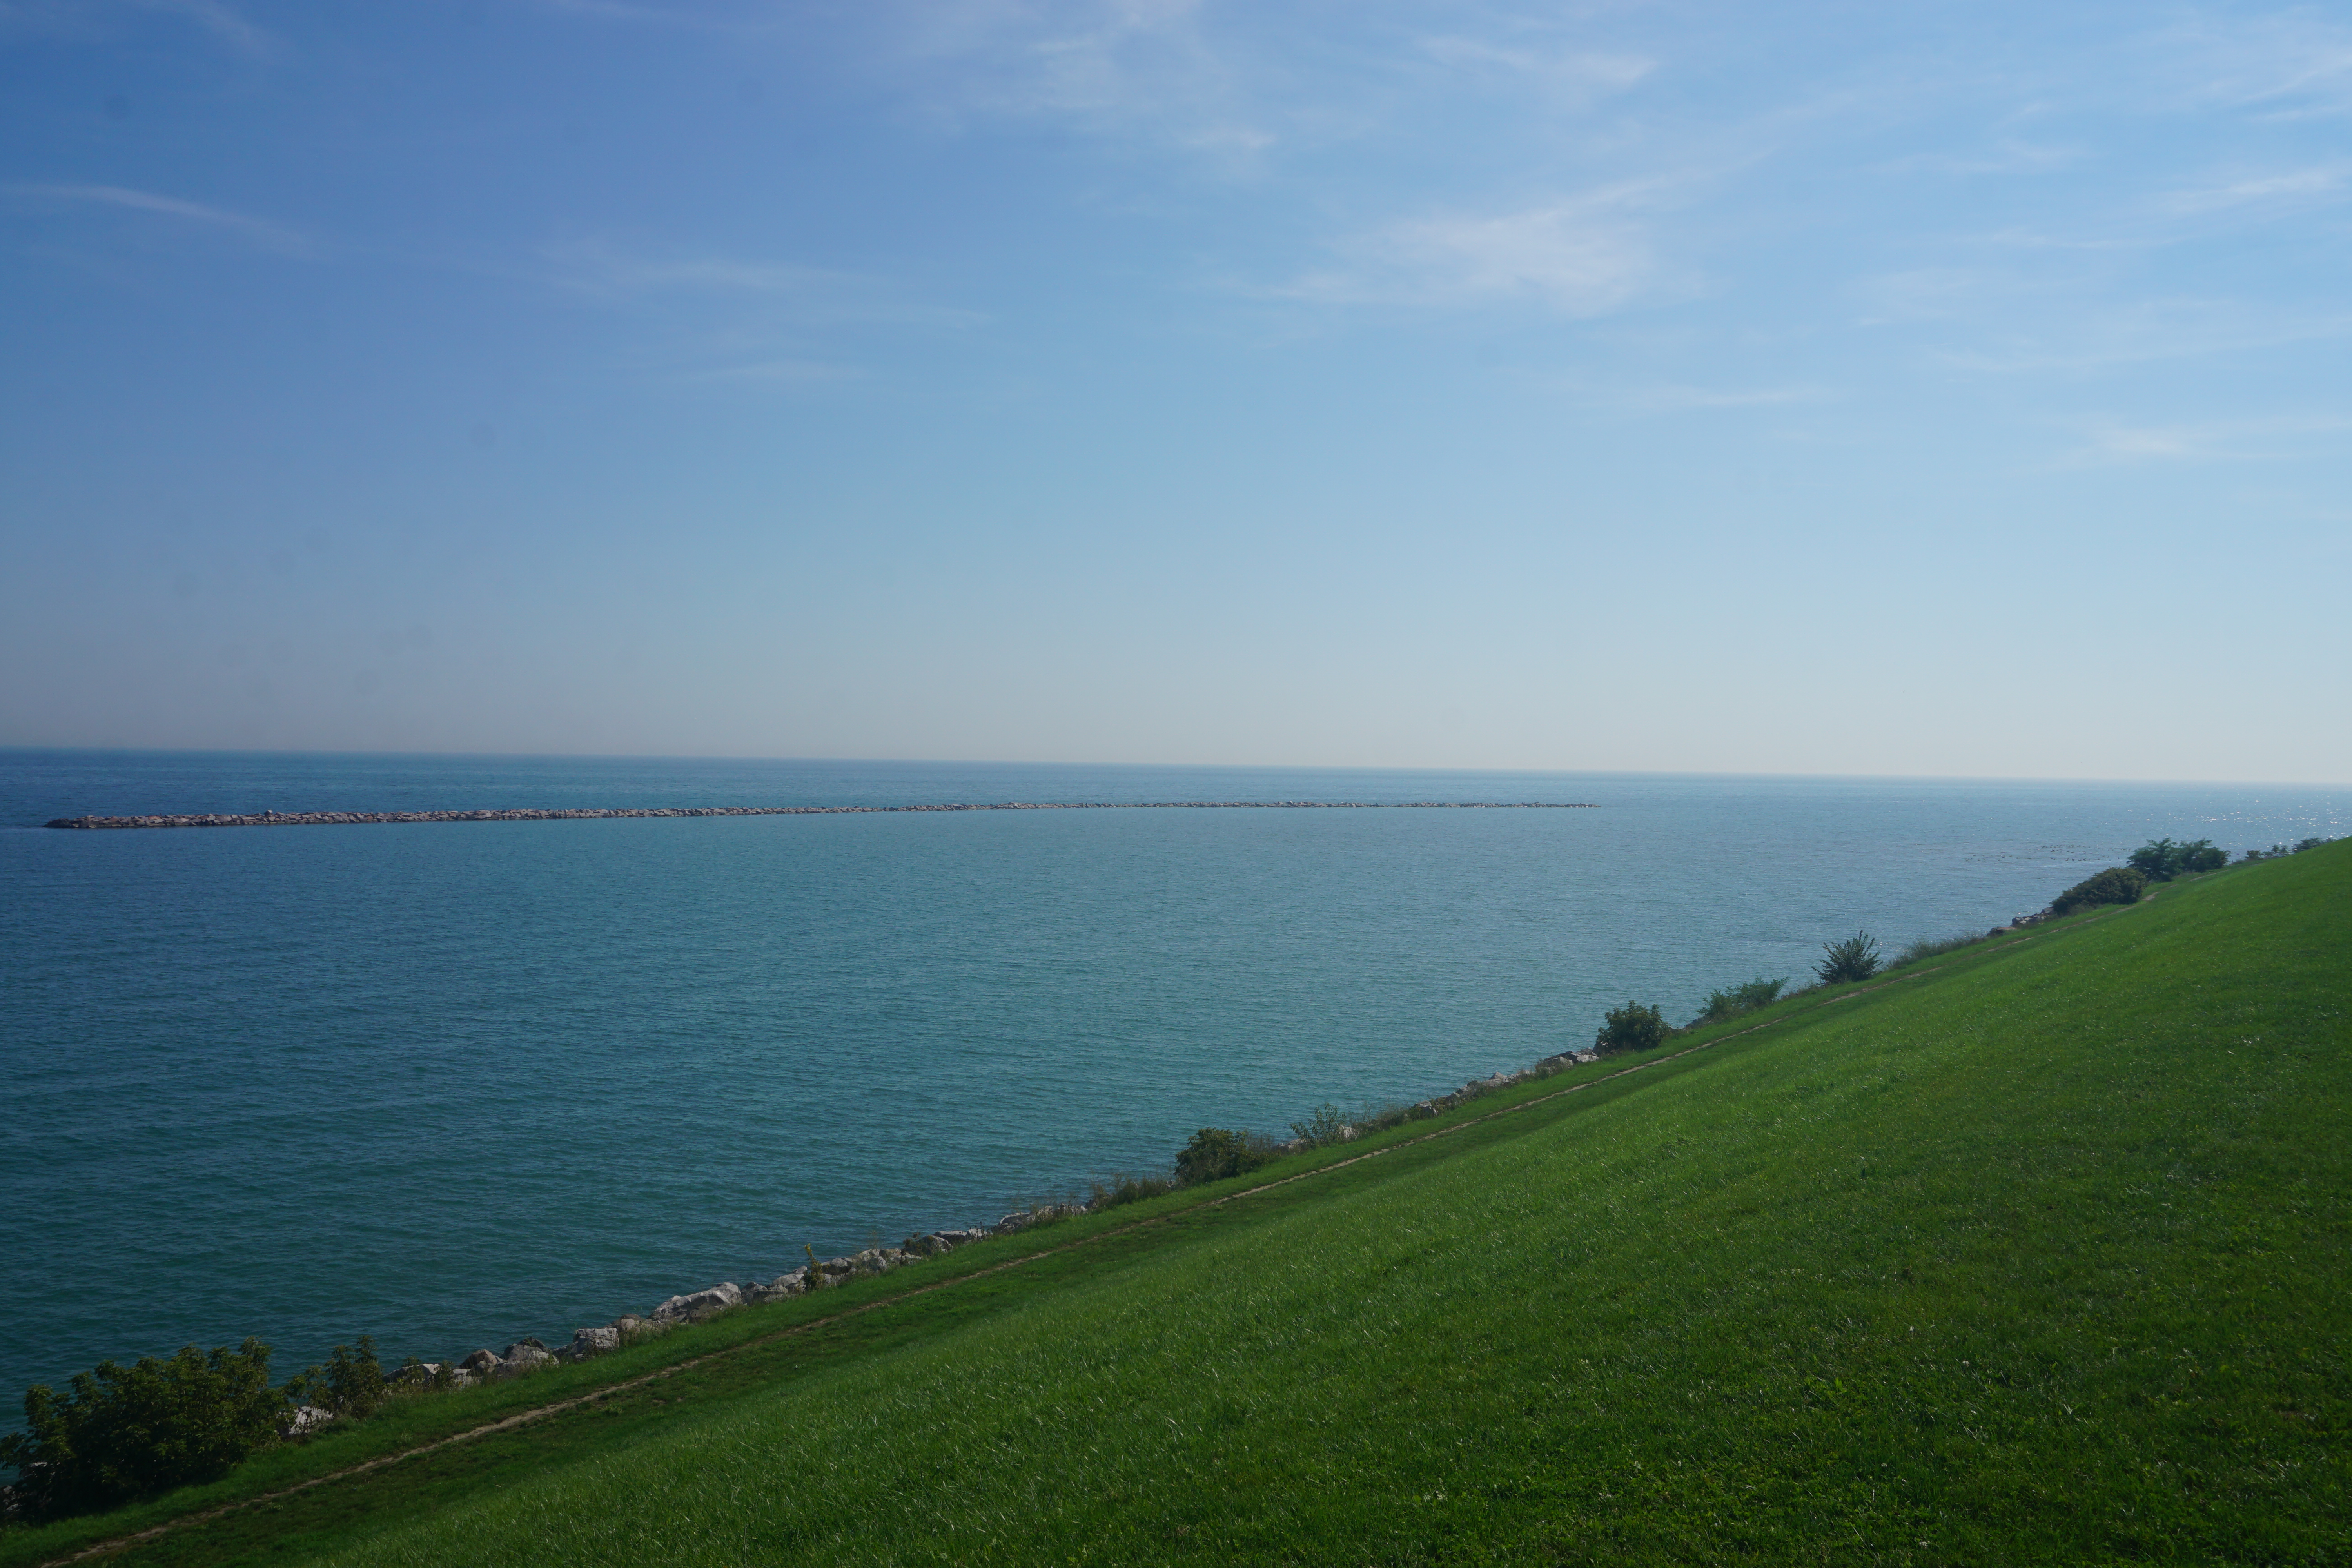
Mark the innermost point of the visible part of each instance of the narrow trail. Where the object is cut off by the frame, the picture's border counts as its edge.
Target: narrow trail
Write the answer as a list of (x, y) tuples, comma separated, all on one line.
[(522, 1418)]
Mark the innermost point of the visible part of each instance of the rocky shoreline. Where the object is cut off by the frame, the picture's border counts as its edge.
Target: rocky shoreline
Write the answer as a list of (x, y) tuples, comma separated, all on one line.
[(529, 1354), (344, 818)]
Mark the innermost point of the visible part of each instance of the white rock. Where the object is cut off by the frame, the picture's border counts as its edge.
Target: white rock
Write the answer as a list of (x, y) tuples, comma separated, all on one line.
[(299, 1423), (701, 1304), (586, 1343), (521, 1360)]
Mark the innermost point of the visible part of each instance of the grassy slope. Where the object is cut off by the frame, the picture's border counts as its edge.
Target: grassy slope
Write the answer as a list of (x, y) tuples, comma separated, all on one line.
[(2041, 1257)]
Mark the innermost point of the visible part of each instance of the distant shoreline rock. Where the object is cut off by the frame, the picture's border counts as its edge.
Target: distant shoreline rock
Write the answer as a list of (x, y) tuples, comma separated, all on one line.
[(346, 818)]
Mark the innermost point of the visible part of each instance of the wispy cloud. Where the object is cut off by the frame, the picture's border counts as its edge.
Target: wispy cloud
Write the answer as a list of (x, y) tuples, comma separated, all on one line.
[(1128, 67), (260, 232), (223, 21), (1697, 399), (2147, 333), (2299, 187), (2289, 64), (780, 372), (1582, 255), (745, 17), (93, 20), (2008, 156), (594, 269), (762, 290), (1577, 72), (2237, 440)]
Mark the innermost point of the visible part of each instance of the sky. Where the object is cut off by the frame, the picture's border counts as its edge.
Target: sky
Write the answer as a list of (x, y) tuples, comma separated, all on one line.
[(1951, 389)]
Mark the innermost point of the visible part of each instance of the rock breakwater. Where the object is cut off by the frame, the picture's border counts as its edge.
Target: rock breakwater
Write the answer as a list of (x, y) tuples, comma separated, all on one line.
[(346, 818)]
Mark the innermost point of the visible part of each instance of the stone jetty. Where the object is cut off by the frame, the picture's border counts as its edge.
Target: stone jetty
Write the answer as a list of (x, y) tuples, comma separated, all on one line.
[(344, 818)]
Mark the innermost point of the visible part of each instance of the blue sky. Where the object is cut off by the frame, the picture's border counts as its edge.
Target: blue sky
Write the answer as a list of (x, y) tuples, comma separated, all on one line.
[(1952, 389)]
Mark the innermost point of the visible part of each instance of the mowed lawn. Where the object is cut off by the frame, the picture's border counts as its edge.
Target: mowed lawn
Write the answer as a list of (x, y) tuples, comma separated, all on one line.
[(2041, 1258)]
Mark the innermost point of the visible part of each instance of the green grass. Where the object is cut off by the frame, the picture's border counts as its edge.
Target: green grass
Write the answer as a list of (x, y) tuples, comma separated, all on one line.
[(2037, 1252)]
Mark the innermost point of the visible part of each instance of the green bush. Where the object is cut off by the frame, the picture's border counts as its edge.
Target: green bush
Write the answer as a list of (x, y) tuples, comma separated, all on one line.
[(1932, 947), (2160, 859), (122, 1433), (1857, 958), (1322, 1127), (1732, 1001), (351, 1383), (1215, 1152), (2278, 850), (1633, 1027), (1109, 1191), (2116, 885)]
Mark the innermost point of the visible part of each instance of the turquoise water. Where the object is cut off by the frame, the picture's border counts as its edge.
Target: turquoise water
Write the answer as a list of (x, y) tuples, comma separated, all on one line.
[(454, 1084)]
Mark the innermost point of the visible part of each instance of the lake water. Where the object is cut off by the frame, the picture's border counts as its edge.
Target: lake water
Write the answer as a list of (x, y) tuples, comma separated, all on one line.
[(454, 1084)]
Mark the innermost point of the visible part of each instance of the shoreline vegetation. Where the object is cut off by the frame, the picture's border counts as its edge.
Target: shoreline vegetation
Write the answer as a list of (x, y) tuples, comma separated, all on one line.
[(123, 1434), (346, 818)]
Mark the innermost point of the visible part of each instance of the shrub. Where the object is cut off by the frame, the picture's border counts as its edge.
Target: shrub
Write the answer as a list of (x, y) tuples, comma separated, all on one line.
[(1109, 1192), (2279, 851), (2160, 859), (2116, 885), (122, 1433), (1732, 1001), (1931, 947), (1215, 1152), (351, 1383), (1857, 958), (1322, 1127), (1633, 1027)]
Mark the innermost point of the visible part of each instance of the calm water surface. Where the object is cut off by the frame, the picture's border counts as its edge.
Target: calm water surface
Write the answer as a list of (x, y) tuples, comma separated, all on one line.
[(454, 1084)]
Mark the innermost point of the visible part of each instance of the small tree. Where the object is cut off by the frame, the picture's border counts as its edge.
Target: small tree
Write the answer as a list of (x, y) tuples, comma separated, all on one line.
[(2203, 856), (1215, 1152), (2153, 859), (1633, 1027), (1855, 958), (2160, 859), (1323, 1127), (351, 1383), (122, 1433), (1732, 1001)]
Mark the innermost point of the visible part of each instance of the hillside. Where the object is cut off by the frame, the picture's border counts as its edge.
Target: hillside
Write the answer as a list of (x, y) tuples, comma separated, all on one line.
[(2037, 1252)]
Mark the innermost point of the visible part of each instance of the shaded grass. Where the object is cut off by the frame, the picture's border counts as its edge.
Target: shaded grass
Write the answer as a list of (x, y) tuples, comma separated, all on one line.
[(2037, 1257)]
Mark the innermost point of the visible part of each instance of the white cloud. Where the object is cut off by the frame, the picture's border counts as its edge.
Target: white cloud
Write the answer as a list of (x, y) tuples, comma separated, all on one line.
[(2289, 64), (257, 231), (2240, 440), (225, 22), (594, 269), (1576, 73), (2269, 190), (1144, 68), (2148, 333), (1930, 294), (89, 21), (1693, 399), (782, 372), (1584, 255), (759, 290)]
